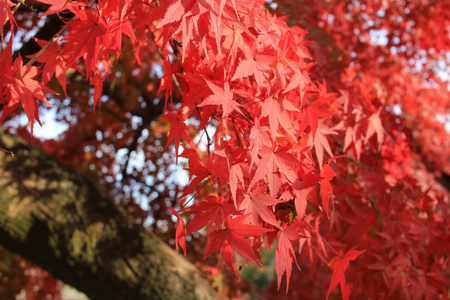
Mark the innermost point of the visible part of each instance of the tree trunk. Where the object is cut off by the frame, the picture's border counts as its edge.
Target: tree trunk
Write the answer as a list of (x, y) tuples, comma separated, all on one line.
[(60, 220)]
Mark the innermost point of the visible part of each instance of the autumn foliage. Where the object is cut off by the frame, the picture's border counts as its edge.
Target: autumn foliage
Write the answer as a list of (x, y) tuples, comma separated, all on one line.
[(320, 137)]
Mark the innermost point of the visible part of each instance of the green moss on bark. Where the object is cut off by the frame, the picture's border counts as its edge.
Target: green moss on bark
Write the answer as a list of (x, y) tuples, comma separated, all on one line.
[(59, 219)]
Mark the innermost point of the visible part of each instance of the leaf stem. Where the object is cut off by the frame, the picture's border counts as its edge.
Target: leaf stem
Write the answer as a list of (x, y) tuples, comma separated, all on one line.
[(198, 191), (321, 237)]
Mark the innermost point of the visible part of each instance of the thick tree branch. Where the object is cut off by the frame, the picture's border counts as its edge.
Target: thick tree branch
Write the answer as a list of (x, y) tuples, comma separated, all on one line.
[(58, 218)]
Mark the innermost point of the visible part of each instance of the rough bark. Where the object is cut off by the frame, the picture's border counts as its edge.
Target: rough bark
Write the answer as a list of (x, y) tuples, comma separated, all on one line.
[(59, 219)]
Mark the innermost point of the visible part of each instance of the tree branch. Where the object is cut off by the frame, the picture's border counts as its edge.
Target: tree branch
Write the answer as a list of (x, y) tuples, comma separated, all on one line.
[(51, 27), (58, 218)]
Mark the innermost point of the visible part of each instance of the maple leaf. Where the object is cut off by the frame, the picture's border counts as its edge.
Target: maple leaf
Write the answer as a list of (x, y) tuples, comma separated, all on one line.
[(236, 177), (285, 254), (236, 37), (327, 174), (54, 64), (299, 79), (185, 16), (178, 129), (191, 25), (87, 38), (312, 114), (256, 206), (235, 161), (120, 24), (215, 21), (257, 65), (201, 170), (166, 81), (19, 86), (353, 135), (320, 141), (231, 236), (180, 235), (6, 14), (175, 11), (375, 125), (339, 264), (57, 6), (222, 97), (196, 90), (259, 138), (272, 163), (277, 115), (301, 193), (6, 76), (212, 211)]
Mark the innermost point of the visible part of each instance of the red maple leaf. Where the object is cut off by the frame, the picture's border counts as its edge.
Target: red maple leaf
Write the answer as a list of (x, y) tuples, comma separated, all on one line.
[(87, 38), (285, 254), (257, 65), (353, 134), (257, 206), (57, 6), (191, 24), (212, 211), (201, 170), (311, 116), (194, 91), (375, 125), (327, 174), (277, 114), (166, 80), (231, 236), (271, 165), (6, 76), (180, 235), (234, 160), (119, 24), (175, 11), (320, 141), (259, 138), (309, 181), (339, 264), (222, 96), (178, 129), (6, 14), (53, 64), (300, 77)]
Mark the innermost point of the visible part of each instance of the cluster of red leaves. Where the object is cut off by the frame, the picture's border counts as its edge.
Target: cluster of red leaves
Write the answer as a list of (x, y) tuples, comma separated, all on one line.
[(18, 86), (272, 160), (249, 75)]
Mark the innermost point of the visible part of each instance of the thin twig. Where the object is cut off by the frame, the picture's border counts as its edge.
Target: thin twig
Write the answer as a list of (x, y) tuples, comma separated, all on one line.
[(52, 40), (7, 152), (17, 7), (46, 46)]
